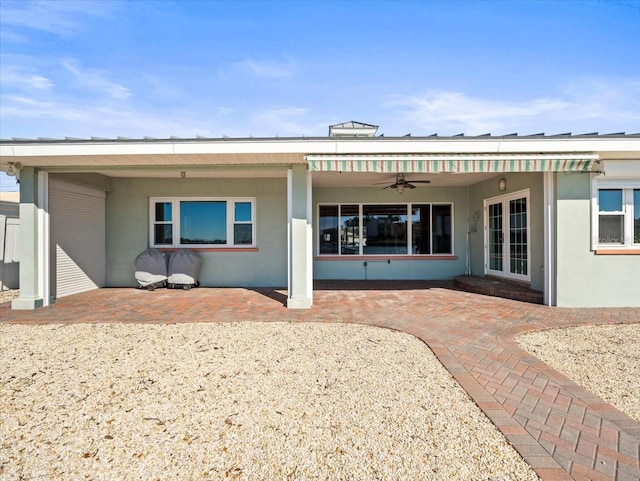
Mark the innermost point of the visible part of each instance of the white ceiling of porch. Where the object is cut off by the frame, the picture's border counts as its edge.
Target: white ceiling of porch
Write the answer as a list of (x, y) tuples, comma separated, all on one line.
[(319, 179)]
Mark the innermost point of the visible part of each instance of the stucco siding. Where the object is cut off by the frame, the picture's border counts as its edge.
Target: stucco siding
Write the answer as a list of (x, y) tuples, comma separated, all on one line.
[(395, 269), (128, 229), (583, 278)]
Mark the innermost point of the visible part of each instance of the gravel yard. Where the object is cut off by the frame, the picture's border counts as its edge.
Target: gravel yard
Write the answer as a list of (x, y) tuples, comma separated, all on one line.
[(603, 359), (240, 401)]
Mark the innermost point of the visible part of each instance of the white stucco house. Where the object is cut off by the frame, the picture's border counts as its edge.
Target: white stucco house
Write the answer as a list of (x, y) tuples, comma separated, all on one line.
[(559, 213)]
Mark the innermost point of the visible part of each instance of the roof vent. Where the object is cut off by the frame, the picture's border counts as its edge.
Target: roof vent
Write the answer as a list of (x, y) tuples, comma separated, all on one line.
[(352, 129)]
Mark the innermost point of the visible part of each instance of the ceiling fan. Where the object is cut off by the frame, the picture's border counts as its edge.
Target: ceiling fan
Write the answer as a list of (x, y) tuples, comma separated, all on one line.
[(402, 183)]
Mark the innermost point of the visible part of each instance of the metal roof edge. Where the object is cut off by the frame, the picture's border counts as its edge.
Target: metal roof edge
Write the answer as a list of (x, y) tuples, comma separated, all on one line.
[(407, 138)]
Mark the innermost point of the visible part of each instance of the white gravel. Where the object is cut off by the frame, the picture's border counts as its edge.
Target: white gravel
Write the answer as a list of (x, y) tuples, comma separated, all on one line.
[(238, 401), (603, 359)]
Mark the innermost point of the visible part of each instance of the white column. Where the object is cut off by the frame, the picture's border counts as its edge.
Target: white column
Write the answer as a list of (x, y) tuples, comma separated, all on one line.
[(299, 238), (549, 240), (30, 295), (44, 277)]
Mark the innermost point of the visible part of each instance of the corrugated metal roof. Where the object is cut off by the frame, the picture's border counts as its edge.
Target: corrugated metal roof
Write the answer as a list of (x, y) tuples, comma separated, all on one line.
[(198, 138)]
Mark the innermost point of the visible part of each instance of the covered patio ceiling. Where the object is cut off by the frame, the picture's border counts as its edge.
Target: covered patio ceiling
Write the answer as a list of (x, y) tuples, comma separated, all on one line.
[(319, 179)]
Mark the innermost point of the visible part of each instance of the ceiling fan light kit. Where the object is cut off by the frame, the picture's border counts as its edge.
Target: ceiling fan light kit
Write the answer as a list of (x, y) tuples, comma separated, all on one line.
[(402, 183)]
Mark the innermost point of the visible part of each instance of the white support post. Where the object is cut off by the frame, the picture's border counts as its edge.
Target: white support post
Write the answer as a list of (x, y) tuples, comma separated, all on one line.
[(299, 238), (30, 294), (549, 240), (44, 278)]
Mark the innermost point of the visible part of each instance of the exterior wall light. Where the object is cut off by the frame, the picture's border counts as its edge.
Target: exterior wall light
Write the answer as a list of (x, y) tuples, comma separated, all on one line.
[(502, 184), (13, 168)]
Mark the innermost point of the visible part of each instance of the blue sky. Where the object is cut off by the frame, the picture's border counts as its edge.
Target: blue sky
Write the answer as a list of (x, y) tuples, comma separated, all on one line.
[(290, 68)]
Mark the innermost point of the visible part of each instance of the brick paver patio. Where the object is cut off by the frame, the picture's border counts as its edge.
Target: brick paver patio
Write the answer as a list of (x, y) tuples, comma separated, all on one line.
[(563, 431)]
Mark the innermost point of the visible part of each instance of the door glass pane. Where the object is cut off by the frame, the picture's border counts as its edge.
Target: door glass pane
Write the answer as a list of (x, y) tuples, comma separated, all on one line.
[(203, 222), (349, 230), (518, 262), (610, 200), (421, 229), (441, 229), (328, 229), (495, 237), (611, 229), (636, 216), (385, 229)]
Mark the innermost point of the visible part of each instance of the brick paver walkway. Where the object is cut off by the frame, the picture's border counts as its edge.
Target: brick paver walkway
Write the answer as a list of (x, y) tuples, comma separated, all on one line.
[(563, 431)]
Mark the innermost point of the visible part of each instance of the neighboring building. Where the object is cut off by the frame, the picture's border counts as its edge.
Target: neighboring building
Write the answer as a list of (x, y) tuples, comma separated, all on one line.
[(9, 240), (559, 213)]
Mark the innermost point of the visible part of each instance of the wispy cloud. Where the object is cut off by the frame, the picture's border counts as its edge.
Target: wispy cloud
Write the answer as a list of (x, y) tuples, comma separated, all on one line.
[(85, 119), (61, 17), (96, 80), (15, 77), (585, 104), (267, 69)]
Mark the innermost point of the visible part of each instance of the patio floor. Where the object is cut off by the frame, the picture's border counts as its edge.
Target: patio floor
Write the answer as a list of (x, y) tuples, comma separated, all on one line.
[(563, 431)]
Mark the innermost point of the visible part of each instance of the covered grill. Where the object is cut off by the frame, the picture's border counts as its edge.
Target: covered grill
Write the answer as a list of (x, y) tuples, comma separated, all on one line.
[(151, 269), (184, 269)]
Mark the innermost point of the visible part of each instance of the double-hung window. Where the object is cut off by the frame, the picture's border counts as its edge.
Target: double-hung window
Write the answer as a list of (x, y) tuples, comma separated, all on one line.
[(202, 222), (616, 214), (385, 229)]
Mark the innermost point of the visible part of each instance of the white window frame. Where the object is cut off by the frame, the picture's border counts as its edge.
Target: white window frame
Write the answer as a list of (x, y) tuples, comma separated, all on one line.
[(175, 215), (409, 206), (627, 187)]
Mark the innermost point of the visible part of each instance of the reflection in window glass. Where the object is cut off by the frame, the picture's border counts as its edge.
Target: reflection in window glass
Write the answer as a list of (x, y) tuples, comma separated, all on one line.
[(163, 234), (518, 240), (495, 236), (350, 229), (441, 230), (611, 229), (420, 231), (610, 200), (242, 212), (203, 222), (385, 229), (242, 234), (163, 211), (328, 229)]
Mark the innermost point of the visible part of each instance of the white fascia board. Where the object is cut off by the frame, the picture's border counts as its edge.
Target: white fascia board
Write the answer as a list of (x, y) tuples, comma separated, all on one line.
[(323, 146)]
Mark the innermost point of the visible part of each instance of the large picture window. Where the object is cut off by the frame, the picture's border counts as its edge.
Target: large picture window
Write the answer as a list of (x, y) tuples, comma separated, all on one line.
[(385, 229), (202, 222), (616, 214)]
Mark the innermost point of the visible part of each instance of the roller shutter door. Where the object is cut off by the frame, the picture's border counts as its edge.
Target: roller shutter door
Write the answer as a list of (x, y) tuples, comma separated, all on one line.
[(77, 225)]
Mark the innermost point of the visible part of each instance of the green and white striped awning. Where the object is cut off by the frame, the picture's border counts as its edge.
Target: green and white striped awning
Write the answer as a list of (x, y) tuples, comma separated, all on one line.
[(451, 163)]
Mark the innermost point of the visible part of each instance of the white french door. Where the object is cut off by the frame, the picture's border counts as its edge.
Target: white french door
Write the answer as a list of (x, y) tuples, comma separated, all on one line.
[(507, 236)]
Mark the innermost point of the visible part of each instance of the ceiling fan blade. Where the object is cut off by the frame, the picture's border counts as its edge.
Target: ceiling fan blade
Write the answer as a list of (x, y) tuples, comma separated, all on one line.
[(392, 186), (407, 185), (419, 181)]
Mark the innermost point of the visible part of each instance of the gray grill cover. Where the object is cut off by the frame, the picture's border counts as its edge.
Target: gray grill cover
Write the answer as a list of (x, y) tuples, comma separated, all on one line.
[(151, 267), (184, 267)]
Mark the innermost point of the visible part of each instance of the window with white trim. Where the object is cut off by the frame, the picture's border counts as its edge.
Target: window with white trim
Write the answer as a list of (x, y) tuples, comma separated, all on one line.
[(385, 229), (616, 214), (202, 222)]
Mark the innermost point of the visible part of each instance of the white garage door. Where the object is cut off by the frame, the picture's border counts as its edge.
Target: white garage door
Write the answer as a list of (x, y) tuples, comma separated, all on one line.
[(77, 223)]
